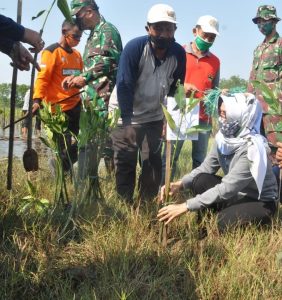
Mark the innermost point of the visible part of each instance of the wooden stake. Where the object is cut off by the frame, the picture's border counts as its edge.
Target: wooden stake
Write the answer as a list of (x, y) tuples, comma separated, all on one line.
[(167, 186)]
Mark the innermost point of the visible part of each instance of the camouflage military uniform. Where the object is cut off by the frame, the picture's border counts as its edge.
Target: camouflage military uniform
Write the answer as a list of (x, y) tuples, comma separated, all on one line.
[(267, 68), (101, 56)]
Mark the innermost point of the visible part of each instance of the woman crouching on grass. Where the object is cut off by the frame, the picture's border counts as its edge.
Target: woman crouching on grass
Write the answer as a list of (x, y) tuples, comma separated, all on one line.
[(247, 193)]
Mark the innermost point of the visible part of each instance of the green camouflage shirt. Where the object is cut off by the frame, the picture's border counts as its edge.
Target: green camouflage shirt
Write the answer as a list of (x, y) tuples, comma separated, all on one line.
[(267, 68), (100, 58)]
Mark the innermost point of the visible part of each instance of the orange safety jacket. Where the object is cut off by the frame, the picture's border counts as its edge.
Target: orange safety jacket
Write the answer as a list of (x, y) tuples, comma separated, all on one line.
[(56, 64)]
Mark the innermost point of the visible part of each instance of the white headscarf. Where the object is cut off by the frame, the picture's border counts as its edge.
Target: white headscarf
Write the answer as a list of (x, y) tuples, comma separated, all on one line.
[(245, 108)]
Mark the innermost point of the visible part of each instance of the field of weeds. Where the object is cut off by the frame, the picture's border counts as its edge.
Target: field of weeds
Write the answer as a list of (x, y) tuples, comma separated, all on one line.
[(108, 249)]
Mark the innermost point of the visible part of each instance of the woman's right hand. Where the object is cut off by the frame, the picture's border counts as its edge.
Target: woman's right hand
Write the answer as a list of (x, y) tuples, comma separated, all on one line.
[(173, 189)]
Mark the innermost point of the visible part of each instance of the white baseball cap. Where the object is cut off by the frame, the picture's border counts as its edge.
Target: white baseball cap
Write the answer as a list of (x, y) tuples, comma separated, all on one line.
[(209, 24), (161, 13)]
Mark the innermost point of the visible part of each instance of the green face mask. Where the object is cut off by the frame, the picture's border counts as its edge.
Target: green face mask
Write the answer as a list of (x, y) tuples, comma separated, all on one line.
[(201, 44), (266, 28)]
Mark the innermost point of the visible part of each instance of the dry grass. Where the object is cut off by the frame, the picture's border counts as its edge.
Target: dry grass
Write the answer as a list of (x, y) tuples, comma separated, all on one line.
[(112, 252)]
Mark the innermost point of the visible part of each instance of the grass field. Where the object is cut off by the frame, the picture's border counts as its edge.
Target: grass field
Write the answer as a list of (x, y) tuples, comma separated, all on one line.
[(111, 250)]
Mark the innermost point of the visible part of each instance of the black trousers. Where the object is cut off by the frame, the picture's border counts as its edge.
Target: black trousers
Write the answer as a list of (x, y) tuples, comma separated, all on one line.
[(242, 212), (148, 145), (69, 155), (37, 125)]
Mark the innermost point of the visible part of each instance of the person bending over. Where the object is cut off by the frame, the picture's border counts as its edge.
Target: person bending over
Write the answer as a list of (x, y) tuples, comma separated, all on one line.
[(247, 192)]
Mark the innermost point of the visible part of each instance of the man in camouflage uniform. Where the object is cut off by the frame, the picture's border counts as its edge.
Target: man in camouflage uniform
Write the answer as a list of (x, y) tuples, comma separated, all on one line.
[(101, 54), (267, 64), (267, 68)]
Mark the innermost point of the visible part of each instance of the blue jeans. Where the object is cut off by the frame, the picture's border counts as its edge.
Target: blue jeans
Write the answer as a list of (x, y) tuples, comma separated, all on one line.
[(199, 152)]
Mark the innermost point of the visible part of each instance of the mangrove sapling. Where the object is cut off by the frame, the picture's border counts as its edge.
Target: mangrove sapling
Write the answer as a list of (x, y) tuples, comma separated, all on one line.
[(56, 125), (33, 205), (185, 106), (272, 118), (95, 124)]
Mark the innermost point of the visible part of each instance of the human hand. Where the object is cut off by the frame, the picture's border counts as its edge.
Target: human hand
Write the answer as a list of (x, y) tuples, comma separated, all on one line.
[(190, 88), (173, 189), (35, 107), (130, 134), (66, 82), (34, 39), (74, 82), (22, 58), (278, 154), (168, 213)]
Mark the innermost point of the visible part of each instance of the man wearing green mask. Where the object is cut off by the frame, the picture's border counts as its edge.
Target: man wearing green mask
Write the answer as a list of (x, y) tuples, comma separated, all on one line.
[(267, 68), (202, 73), (267, 62)]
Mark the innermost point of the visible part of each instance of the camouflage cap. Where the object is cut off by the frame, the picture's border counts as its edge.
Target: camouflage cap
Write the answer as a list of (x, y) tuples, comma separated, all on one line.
[(266, 12), (77, 5)]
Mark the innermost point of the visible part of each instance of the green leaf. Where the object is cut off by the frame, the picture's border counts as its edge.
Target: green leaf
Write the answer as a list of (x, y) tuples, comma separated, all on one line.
[(44, 201), (113, 117), (28, 198), (64, 8), (191, 104), (180, 96), (31, 188), (38, 15), (198, 128), (25, 208), (268, 95), (45, 142), (39, 209), (169, 118)]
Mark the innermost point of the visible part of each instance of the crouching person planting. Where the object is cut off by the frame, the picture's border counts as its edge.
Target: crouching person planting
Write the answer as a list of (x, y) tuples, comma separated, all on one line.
[(247, 193)]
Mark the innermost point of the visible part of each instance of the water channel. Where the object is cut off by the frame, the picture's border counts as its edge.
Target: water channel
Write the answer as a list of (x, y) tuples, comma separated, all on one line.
[(20, 144)]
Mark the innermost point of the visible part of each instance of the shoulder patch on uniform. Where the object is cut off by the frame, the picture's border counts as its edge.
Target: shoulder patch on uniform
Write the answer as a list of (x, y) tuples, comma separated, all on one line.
[(52, 47)]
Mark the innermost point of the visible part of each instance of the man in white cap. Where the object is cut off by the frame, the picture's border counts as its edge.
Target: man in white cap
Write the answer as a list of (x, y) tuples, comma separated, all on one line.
[(148, 70), (202, 73)]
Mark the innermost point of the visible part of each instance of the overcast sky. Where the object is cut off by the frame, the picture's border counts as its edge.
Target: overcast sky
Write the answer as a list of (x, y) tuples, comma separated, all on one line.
[(235, 45)]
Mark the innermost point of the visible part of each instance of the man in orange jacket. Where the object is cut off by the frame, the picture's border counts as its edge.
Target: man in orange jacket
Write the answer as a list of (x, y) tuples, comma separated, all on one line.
[(58, 61)]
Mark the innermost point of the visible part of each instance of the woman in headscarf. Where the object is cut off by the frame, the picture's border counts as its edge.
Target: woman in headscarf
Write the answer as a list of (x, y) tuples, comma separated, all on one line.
[(247, 193)]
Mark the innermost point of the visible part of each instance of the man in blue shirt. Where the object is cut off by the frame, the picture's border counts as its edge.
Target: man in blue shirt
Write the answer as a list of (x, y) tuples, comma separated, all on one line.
[(149, 69)]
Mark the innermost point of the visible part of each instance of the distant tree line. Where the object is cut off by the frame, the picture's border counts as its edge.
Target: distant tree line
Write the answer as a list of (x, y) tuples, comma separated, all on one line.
[(232, 82), (5, 89), (5, 94)]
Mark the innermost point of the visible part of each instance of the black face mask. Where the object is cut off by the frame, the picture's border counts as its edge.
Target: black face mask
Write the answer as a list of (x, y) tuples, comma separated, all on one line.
[(161, 43)]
